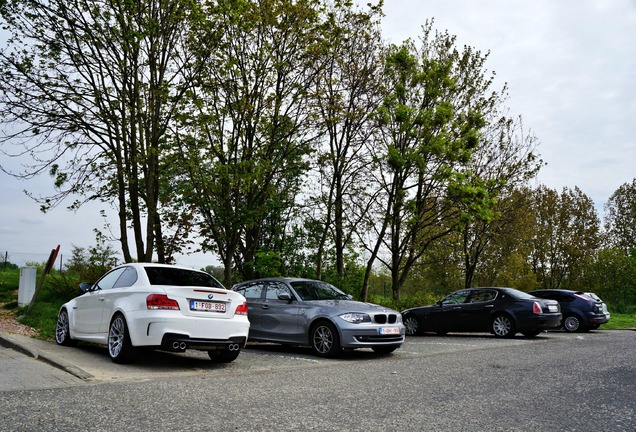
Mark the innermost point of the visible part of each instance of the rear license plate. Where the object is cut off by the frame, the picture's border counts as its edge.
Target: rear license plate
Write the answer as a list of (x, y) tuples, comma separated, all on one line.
[(389, 330), (552, 308), (207, 306)]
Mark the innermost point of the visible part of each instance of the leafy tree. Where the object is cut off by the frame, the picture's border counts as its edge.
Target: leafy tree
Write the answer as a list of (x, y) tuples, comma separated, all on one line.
[(429, 123), (567, 234), (504, 262), (620, 218), (612, 276), (504, 161), (246, 132), (346, 97), (89, 90)]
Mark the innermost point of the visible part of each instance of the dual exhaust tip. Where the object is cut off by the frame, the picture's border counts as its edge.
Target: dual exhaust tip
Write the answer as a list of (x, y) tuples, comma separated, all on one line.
[(181, 346)]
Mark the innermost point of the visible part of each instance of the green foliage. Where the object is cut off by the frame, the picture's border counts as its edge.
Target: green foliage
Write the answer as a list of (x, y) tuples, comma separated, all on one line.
[(620, 218), (43, 317), (612, 276), (85, 265), (9, 283), (405, 302)]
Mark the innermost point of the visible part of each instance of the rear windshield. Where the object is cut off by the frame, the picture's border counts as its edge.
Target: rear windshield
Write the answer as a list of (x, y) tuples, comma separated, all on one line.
[(180, 277), (518, 294)]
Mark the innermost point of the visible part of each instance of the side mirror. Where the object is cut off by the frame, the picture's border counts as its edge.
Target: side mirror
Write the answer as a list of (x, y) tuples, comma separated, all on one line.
[(285, 296), (439, 303), (85, 286)]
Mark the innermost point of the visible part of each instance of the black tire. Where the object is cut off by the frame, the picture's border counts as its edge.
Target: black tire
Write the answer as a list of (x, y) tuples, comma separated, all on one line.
[(324, 339), (62, 332), (503, 326), (120, 348), (225, 355), (412, 325), (531, 334), (573, 324), (385, 349)]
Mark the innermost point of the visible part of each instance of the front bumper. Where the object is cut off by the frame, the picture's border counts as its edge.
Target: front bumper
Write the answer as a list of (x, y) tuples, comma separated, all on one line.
[(368, 336)]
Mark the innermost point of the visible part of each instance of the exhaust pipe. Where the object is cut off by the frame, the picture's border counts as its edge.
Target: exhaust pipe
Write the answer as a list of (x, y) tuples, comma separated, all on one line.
[(179, 346), (234, 347)]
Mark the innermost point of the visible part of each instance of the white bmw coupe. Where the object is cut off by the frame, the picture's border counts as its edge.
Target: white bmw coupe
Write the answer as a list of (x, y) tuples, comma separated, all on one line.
[(156, 306)]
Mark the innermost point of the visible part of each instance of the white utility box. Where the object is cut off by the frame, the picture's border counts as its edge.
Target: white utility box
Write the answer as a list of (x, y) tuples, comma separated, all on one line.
[(27, 285)]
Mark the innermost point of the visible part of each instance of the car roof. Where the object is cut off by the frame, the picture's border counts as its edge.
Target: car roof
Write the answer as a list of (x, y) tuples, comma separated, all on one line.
[(279, 279), (142, 265), (559, 290)]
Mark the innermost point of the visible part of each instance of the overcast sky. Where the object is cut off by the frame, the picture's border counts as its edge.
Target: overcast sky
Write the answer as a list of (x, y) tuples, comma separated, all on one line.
[(570, 66)]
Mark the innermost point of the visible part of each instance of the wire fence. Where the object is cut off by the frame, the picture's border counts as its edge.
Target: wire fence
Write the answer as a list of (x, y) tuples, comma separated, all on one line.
[(22, 259)]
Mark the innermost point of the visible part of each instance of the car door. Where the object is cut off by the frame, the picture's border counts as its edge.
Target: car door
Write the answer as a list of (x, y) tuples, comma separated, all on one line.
[(119, 289), (476, 312), (446, 317), (280, 314), (253, 293), (89, 308)]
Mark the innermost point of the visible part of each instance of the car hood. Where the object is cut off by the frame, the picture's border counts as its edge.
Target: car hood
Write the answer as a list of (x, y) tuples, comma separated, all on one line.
[(350, 306)]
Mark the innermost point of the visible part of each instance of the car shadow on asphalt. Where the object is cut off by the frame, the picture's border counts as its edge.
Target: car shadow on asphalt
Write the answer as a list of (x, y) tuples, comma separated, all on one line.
[(306, 352)]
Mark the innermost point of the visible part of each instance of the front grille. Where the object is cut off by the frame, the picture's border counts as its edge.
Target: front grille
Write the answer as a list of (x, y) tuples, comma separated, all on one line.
[(385, 318)]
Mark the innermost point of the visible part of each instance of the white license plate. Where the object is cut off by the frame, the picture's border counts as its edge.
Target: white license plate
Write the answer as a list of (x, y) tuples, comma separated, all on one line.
[(552, 308), (207, 306), (389, 330)]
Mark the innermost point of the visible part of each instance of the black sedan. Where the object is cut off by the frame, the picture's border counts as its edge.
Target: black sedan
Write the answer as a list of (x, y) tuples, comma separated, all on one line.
[(500, 311)]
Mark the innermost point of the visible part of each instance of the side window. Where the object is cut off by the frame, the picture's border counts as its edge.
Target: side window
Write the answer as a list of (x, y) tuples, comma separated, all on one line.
[(456, 298), (109, 280), (251, 291), (483, 296), (276, 288), (127, 278)]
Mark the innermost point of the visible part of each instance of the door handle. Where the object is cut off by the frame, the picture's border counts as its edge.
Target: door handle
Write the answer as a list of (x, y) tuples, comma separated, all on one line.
[(489, 305), (102, 298), (265, 307)]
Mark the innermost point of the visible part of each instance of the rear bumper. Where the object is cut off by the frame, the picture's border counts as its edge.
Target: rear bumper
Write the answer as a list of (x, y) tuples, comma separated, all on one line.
[(598, 318), (178, 342), (163, 328), (540, 322)]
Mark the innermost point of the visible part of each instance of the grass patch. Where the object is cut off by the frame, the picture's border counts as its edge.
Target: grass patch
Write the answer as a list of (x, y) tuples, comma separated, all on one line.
[(620, 321)]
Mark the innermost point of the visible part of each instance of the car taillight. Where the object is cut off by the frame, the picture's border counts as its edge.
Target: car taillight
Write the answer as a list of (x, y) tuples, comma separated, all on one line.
[(536, 308), (161, 301), (241, 309)]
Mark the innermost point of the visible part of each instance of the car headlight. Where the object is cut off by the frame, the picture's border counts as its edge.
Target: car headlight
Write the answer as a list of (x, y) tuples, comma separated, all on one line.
[(355, 318)]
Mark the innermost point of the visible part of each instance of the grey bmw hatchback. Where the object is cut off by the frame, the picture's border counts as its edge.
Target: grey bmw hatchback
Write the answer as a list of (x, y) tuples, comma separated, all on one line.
[(313, 313)]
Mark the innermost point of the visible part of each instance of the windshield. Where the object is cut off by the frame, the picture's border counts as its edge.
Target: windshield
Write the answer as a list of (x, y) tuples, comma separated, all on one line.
[(316, 290)]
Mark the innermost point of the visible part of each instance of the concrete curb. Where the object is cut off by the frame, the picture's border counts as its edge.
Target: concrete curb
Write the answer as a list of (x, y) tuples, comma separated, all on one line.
[(7, 341)]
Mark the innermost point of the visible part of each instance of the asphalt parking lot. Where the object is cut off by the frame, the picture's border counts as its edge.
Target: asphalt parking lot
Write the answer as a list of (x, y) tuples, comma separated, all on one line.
[(556, 381), (91, 364)]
